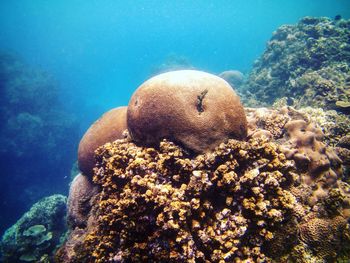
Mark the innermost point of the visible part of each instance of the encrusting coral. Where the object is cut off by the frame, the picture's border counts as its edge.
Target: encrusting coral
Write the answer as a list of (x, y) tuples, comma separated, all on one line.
[(334, 125), (319, 167), (279, 196)]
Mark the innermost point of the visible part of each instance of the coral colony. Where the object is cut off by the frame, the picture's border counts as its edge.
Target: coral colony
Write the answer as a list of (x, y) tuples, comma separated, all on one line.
[(190, 176), (308, 62), (37, 233), (184, 173)]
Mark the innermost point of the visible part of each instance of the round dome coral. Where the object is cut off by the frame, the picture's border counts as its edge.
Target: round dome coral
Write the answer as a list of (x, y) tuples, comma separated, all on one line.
[(193, 108), (107, 128)]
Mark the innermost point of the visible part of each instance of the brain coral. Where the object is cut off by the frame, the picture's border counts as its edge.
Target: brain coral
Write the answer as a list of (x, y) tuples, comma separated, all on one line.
[(193, 108), (324, 235), (234, 77), (78, 204), (108, 128)]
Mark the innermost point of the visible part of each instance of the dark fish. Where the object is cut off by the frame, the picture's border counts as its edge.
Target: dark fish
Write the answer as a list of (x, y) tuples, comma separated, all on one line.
[(337, 17)]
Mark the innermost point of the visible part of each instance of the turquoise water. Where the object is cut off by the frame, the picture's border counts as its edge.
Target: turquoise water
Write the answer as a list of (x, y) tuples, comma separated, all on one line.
[(99, 52)]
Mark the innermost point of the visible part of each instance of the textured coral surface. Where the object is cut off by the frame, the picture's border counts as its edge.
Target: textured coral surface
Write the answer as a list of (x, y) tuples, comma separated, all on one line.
[(161, 205), (307, 62), (78, 204), (36, 234), (279, 196), (193, 108)]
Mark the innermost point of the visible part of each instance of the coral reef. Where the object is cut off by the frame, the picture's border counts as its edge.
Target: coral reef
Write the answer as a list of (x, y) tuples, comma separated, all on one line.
[(328, 87), (234, 77), (279, 196), (37, 233), (30, 107), (38, 137), (308, 63), (319, 168), (159, 205), (107, 128), (195, 109), (334, 125), (305, 65)]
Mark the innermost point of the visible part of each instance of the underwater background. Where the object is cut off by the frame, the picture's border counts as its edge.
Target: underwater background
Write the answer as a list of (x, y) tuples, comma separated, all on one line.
[(64, 63)]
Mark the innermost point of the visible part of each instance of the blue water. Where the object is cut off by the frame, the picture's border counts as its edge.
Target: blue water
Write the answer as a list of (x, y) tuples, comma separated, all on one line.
[(101, 51)]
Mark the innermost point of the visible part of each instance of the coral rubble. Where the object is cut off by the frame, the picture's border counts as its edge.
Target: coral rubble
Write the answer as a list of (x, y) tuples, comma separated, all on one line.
[(278, 196)]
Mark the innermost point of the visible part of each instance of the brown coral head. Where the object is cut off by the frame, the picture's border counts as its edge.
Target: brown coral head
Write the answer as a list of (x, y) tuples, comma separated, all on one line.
[(107, 128), (193, 108), (78, 204)]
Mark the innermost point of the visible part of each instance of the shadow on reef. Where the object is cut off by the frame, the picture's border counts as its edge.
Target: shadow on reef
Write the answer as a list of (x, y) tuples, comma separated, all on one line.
[(37, 136)]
